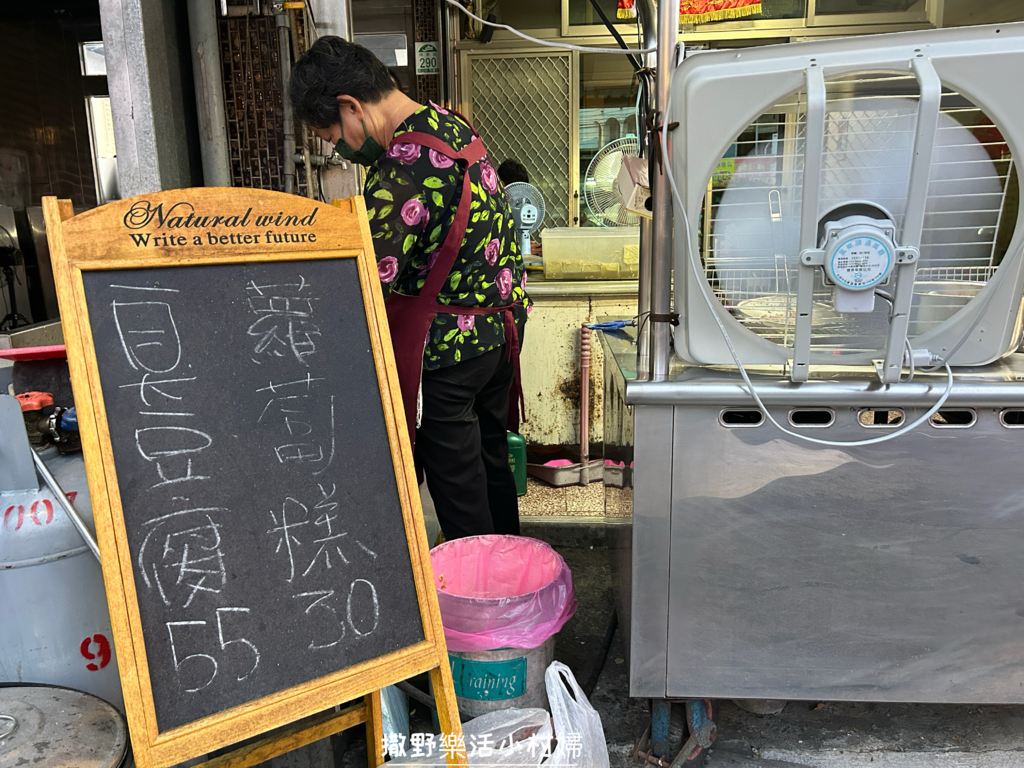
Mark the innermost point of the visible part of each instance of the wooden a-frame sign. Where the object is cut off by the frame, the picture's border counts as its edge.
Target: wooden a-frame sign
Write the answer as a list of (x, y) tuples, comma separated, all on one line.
[(254, 495)]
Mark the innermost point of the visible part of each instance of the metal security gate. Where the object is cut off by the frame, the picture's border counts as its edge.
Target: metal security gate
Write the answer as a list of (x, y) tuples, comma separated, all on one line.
[(525, 106), (250, 59), (252, 95)]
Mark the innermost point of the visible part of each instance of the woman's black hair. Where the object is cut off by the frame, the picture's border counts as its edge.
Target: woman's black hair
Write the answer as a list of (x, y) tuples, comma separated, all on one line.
[(330, 68)]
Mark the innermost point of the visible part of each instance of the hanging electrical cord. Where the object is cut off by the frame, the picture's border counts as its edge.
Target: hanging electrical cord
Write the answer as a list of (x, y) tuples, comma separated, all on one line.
[(615, 33), (548, 43), (728, 342)]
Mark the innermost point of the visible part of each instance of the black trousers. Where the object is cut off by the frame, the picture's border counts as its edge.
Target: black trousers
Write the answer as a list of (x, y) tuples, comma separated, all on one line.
[(463, 449)]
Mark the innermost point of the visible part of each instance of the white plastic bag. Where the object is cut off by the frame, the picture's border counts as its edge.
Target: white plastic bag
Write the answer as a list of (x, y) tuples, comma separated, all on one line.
[(512, 737), (577, 725)]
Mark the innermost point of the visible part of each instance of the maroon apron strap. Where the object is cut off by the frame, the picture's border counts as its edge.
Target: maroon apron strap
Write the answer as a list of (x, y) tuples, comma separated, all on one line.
[(471, 153), (457, 232), (410, 317), (517, 402)]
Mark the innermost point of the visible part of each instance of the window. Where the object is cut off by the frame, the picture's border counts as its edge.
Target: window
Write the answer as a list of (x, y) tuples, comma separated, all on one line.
[(101, 121), (864, 6), (782, 9), (104, 153), (534, 14), (608, 94), (580, 18), (582, 12), (93, 61)]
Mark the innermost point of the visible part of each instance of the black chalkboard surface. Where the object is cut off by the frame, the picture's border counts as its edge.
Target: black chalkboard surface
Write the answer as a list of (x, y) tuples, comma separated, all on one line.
[(255, 474)]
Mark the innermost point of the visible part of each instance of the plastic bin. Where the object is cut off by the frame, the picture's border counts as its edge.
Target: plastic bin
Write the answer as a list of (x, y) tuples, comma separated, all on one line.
[(591, 253), (502, 600)]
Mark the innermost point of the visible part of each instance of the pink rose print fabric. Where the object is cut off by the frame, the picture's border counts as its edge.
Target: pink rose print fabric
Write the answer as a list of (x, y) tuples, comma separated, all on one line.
[(405, 153), (413, 212), (387, 268), (488, 177), (411, 194)]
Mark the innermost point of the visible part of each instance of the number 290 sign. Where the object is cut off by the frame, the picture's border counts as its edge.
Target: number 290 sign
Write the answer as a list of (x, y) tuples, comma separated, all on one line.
[(427, 59), (253, 493)]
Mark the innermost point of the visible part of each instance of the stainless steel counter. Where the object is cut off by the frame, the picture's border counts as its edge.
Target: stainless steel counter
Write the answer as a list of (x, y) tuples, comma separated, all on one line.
[(995, 384), (763, 566)]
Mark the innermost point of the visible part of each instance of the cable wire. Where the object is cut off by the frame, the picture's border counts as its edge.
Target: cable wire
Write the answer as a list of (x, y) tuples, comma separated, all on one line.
[(548, 43), (667, 165), (615, 33), (10, 238)]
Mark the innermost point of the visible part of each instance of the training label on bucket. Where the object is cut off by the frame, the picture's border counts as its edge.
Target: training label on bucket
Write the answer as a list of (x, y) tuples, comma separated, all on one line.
[(489, 680)]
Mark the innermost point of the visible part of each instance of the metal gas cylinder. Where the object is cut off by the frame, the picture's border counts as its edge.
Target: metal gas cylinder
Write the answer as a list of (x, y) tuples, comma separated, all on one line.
[(55, 627), (58, 728)]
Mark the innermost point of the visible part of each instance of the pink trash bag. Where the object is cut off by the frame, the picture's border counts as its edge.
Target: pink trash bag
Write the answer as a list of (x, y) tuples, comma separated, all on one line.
[(501, 592)]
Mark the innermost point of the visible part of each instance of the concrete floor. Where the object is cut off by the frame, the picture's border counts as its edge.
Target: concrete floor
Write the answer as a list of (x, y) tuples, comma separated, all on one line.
[(818, 734)]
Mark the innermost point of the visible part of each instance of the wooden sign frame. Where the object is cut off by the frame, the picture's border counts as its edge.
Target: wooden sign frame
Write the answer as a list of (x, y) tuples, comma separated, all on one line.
[(99, 240)]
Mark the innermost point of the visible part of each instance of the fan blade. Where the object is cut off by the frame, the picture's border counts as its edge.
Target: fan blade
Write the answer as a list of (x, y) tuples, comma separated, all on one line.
[(868, 156), (600, 184)]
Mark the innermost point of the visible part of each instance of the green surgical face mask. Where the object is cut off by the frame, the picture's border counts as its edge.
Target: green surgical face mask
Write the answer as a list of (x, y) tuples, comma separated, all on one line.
[(367, 154)]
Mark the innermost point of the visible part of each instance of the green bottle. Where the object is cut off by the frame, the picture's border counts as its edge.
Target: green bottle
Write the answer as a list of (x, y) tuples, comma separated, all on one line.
[(517, 461)]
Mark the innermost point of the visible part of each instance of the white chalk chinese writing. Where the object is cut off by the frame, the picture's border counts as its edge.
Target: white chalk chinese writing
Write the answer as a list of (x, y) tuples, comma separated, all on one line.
[(181, 558), (329, 568)]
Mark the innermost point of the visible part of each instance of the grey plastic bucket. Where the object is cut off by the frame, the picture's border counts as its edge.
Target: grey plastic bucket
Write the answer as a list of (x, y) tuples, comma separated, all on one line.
[(506, 677)]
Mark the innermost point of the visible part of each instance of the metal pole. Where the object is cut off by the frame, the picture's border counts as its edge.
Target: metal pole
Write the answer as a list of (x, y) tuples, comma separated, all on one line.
[(206, 70), (284, 43), (661, 246), (442, 51), (648, 24), (451, 58), (137, 121), (69, 510), (333, 17)]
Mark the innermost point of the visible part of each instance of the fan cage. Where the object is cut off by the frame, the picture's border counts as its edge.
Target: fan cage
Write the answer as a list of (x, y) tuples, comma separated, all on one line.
[(749, 235), (520, 193), (605, 206)]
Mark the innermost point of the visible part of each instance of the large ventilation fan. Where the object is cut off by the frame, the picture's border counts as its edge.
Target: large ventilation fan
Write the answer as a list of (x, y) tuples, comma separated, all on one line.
[(851, 200)]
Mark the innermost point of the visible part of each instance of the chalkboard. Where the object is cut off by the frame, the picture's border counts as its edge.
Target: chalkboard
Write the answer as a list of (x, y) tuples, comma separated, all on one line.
[(255, 477), (260, 533)]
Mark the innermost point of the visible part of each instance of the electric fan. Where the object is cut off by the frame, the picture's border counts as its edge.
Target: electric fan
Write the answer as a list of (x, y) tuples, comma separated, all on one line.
[(600, 188), (527, 205), (868, 207)]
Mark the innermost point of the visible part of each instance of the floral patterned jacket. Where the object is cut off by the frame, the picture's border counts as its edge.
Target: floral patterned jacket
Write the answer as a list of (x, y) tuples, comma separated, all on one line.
[(412, 193)]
